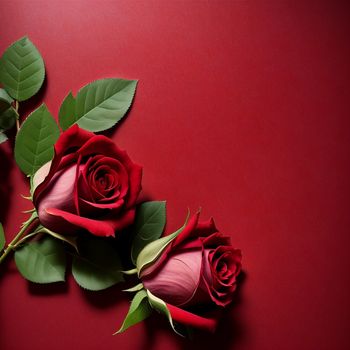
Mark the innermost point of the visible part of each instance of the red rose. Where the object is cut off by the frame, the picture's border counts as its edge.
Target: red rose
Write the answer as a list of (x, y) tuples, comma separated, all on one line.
[(90, 184), (200, 266)]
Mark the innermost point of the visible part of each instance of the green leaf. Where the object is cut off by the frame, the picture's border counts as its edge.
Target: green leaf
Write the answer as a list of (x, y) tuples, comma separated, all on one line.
[(67, 111), (153, 250), (43, 261), (5, 100), (22, 70), (98, 267), (8, 118), (101, 104), (3, 137), (139, 310), (8, 114), (35, 140), (149, 225), (2, 237), (159, 305), (5, 96)]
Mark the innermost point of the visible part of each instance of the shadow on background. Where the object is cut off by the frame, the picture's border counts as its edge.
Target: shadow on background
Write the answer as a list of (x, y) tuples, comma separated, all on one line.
[(105, 298), (48, 289)]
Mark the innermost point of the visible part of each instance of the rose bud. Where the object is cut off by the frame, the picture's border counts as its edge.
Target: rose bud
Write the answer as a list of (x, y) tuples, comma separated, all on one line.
[(90, 185), (199, 267)]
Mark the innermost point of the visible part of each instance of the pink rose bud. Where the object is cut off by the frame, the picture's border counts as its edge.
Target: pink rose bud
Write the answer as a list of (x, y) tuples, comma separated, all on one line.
[(200, 267)]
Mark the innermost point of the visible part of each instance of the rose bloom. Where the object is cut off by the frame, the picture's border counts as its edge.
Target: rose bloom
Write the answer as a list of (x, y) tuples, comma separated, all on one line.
[(199, 268), (90, 185)]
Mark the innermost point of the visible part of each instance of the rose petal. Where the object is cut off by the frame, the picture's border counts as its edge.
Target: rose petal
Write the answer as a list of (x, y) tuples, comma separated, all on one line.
[(189, 319), (217, 239), (190, 244), (187, 232), (103, 145), (223, 298), (121, 221), (96, 227), (177, 281), (207, 274), (206, 228), (76, 194), (91, 207), (221, 292), (115, 168), (58, 194), (83, 187), (70, 139), (135, 176)]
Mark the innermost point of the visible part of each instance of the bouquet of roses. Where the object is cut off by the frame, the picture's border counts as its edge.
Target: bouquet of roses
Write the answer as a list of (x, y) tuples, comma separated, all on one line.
[(84, 191)]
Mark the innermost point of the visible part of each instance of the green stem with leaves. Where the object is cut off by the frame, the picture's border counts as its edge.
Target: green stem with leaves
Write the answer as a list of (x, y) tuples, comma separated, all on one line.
[(28, 227)]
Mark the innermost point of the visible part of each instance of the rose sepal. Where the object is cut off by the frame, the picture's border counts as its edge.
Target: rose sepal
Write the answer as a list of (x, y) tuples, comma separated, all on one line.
[(139, 310), (134, 288), (130, 272), (152, 251), (71, 240), (159, 305)]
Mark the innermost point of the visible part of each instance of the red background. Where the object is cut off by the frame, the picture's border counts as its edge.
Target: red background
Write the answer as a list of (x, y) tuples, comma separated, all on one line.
[(242, 108)]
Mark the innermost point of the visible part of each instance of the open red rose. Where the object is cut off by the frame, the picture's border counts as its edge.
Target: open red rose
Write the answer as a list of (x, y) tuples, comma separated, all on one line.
[(90, 184), (199, 267)]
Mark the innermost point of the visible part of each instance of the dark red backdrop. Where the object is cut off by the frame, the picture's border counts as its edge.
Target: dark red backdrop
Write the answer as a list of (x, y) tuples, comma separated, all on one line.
[(242, 108)]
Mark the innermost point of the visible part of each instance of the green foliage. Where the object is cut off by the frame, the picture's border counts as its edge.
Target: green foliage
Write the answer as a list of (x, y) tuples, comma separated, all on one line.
[(22, 70), (139, 310), (134, 288), (5, 100), (8, 114), (98, 267), (152, 251), (159, 305), (3, 137), (98, 105), (43, 261), (2, 238), (35, 140), (149, 225), (8, 118), (67, 111)]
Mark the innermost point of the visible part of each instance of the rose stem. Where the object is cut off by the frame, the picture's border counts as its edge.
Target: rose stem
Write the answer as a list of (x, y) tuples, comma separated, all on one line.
[(17, 119), (32, 224)]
